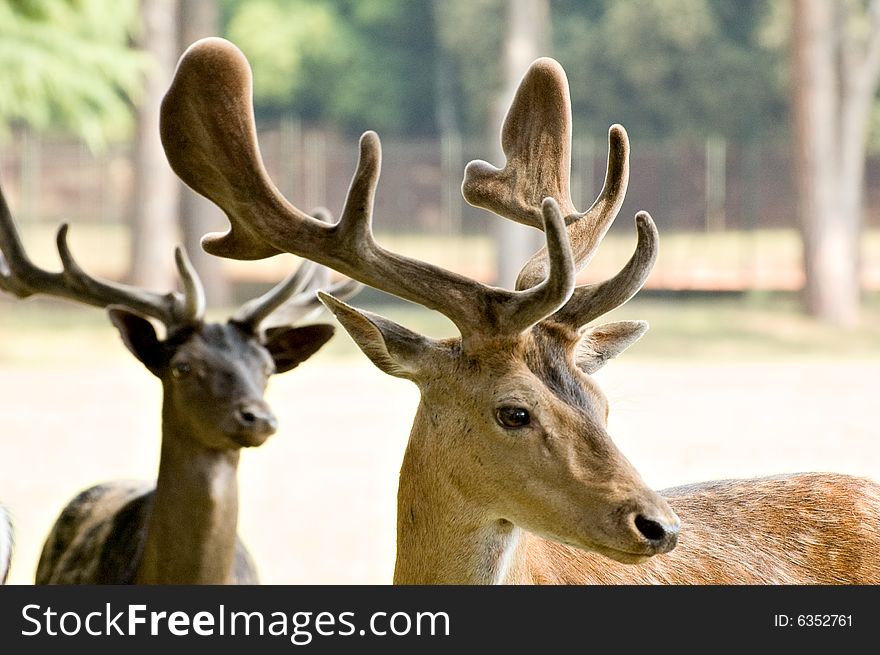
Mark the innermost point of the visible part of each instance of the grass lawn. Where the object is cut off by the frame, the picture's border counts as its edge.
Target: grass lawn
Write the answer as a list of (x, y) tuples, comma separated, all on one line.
[(684, 327), (721, 387), (765, 259)]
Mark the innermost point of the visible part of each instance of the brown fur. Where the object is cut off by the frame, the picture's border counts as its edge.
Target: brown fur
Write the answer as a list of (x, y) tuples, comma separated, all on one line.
[(471, 505), (487, 499), (213, 376), (809, 528), (99, 538), (182, 529)]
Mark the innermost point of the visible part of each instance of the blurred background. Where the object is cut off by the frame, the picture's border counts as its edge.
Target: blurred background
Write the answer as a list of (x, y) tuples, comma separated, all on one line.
[(755, 132)]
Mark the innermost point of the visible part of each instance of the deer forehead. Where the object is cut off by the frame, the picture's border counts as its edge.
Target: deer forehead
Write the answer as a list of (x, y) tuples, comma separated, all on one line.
[(551, 360), (536, 368), (216, 343)]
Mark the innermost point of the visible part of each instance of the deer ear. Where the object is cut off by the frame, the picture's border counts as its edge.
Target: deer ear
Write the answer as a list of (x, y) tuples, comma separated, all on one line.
[(139, 336), (394, 349), (604, 342), (291, 346)]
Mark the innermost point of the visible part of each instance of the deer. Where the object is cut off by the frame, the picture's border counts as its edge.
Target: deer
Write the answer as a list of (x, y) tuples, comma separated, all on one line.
[(510, 475), (182, 528), (7, 542)]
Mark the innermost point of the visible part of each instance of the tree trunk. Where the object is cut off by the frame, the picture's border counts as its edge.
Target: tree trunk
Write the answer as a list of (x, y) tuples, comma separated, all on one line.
[(854, 115), (525, 39), (198, 215), (832, 93), (154, 218)]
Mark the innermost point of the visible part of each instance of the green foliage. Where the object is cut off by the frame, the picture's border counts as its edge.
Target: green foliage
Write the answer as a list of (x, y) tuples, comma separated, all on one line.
[(661, 67), (471, 39), (67, 65), (673, 67), (358, 64), (284, 41)]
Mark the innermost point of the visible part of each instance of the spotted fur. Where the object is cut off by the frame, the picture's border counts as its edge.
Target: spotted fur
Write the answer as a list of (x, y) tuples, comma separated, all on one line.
[(811, 528), (110, 520)]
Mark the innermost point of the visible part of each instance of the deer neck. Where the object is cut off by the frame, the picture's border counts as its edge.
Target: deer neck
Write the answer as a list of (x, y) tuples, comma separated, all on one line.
[(445, 537), (191, 531)]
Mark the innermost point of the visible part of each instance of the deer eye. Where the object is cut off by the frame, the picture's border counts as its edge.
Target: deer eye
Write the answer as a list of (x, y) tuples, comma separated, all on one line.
[(512, 417), (180, 369)]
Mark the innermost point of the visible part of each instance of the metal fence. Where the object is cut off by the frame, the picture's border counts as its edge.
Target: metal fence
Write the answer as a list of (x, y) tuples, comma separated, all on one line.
[(704, 195)]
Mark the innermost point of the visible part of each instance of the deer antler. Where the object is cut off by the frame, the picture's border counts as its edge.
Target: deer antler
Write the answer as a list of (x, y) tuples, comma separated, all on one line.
[(536, 139), (207, 129), (287, 303), (19, 276), (294, 298)]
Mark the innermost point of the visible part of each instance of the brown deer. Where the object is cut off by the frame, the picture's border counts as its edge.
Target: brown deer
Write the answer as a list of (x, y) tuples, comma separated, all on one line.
[(509, 475), (182, 528), (6, 544)]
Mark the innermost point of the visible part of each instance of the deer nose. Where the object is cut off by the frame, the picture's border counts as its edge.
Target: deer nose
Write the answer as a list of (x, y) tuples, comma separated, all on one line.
[(661, 533), (257, 419)]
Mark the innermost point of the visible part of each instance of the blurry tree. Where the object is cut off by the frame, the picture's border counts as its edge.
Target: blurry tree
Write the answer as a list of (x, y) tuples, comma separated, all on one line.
[(470, 38), (526, 34), (661, 67), (154, 221), (198, 215), (355, 63), (69, 65), (671, 67), (835, 75)]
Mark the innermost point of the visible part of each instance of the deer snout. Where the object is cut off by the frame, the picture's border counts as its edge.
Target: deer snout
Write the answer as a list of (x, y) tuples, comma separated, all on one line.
[(255, 423), (657, 528)]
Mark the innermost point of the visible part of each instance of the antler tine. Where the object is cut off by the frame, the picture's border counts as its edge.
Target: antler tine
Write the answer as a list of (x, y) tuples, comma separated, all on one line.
[(11, 252), (23, 278), (190, 308), (587, 229), (294, 298), (255, 311), (556, 288), (8, 282), (305, 304), (536, 139), (208, 131), (593, 300)]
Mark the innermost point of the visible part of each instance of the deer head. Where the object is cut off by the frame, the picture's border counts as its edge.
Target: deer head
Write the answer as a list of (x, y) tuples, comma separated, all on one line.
[(213, 375), (511, 428)]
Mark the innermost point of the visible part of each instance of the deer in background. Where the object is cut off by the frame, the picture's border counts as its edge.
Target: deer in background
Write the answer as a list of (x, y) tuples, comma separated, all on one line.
[(510, 475), (182, 528), (6, 544)]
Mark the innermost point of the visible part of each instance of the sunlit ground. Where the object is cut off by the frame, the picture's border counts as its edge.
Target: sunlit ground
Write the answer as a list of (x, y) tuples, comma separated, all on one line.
[(756, 259), (718, 388)]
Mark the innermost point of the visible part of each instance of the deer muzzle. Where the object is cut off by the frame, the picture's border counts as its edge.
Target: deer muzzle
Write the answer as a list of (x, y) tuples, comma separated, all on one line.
[(658, 530), (253, 423)]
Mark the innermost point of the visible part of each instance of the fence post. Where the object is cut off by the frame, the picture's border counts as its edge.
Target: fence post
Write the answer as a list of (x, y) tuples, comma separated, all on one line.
[(451, 168), (315, 147), (31, 156), (716, 165), (290, 161)]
